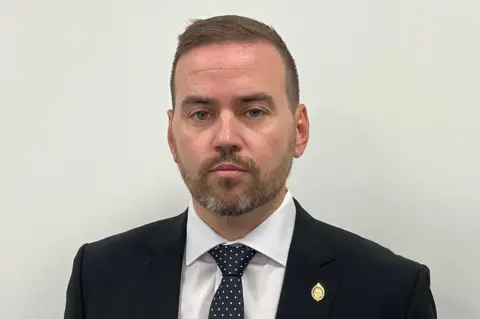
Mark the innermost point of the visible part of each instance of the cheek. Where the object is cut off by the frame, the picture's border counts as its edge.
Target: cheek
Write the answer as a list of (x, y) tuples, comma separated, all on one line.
[(190, 151), (268, 148)]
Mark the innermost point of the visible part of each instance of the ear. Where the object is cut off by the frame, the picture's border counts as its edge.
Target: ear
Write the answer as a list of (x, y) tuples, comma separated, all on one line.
[(170, 137), (302, 125)]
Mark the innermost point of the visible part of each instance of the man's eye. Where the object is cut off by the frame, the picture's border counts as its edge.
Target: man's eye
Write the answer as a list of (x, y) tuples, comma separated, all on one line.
[(255, 113), (200, 115)]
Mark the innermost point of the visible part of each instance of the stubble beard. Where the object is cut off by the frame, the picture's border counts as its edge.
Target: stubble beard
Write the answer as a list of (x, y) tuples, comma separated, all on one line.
[(228, 196)]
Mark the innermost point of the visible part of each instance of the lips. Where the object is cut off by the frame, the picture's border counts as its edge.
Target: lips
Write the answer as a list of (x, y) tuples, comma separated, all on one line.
[(228, 167)]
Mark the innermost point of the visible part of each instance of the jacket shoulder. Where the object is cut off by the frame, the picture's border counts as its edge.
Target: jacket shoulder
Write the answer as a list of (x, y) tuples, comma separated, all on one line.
[(391, 279), (135, 244), (355, 253)]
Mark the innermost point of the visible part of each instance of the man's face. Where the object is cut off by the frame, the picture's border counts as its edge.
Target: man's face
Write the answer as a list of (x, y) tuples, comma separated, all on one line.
[(232, 132)]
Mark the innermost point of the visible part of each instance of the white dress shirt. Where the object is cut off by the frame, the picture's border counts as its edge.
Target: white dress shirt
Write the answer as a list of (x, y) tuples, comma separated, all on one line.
[(263, 278)]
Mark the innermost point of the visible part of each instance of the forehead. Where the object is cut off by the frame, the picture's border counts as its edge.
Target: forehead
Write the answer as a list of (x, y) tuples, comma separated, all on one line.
[(224, 68)]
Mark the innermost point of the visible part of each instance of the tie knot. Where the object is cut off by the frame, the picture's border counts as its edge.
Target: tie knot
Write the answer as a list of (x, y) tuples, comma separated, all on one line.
[(232, 259)]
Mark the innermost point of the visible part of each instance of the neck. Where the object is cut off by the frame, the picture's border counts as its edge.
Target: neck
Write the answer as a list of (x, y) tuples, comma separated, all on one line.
[(235, 227)]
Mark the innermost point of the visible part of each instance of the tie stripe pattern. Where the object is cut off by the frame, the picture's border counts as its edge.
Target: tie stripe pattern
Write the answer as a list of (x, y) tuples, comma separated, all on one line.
[(228, 299)]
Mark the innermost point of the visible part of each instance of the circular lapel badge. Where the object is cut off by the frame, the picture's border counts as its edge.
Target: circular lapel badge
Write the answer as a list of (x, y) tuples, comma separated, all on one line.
[(318, 292)]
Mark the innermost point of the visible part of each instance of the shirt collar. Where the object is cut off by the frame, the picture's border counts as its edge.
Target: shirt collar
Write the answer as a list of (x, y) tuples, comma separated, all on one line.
[(272, 238)]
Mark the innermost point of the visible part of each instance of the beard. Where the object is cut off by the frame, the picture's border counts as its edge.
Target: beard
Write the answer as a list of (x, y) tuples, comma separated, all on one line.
[(228, 196)]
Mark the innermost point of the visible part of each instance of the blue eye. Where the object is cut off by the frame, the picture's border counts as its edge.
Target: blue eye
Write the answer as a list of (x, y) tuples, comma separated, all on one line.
[(201, 115), (255, 113)]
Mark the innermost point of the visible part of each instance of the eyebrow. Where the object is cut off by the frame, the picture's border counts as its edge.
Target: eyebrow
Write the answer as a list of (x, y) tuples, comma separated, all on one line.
[(256, 97), (191, 100)]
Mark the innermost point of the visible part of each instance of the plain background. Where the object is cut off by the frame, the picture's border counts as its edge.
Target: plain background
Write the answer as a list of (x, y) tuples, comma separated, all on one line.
[(392, 89)]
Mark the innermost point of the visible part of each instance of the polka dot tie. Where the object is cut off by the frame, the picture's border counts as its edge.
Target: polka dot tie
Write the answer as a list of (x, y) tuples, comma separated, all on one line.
[(228, 299)]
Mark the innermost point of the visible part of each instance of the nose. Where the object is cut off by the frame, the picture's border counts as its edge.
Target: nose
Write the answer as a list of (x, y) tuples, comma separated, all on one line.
[(227, 133)]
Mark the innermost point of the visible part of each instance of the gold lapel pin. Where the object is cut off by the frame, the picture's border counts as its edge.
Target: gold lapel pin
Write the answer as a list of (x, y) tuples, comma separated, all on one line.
[(318, 292)]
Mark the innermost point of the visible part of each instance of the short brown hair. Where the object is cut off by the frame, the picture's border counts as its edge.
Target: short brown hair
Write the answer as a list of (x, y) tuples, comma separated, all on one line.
[(234, 28)]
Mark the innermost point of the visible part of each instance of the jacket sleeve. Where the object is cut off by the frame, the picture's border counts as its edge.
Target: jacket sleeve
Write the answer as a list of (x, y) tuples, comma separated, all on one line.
[(74, 308), (422, 304)]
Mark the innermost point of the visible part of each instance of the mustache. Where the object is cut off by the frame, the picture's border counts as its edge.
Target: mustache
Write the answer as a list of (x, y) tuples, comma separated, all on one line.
[(232, 158)]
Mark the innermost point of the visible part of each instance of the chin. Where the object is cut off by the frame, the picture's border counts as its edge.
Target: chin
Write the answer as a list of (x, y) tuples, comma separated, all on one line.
[(228, 197)]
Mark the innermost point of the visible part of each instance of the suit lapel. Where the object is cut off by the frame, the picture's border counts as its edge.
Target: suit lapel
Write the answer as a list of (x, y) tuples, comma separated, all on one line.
[(157, 284), (309, 262)]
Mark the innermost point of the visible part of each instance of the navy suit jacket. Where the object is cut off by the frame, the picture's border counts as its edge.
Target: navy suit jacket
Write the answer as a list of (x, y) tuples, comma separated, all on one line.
[(136, 275)]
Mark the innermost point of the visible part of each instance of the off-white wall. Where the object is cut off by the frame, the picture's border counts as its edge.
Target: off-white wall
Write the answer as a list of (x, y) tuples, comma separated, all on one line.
[(393, 94)]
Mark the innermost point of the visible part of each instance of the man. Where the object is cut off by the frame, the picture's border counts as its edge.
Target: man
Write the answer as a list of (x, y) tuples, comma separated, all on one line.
[(244, 248)]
